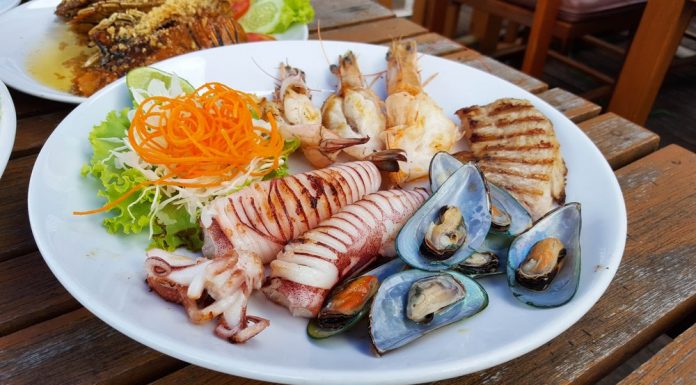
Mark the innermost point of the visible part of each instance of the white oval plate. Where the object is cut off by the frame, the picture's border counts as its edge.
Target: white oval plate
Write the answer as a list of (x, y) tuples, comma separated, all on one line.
[(105, 272), (8, 126), (26, 27)]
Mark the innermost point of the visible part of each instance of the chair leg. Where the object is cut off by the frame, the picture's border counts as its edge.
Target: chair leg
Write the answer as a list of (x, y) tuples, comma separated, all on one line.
[(451, 19), (486, 28), (540, 37), (511, 32)]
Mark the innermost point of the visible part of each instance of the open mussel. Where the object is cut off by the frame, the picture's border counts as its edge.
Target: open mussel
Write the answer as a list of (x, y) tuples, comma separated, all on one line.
[(349, 302), (543, 267), (450, 225), (480, 263), (412, 303)]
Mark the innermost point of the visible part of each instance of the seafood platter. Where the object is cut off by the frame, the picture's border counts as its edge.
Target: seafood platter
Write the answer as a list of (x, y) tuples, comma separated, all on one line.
[(66, 50), (339, 211)]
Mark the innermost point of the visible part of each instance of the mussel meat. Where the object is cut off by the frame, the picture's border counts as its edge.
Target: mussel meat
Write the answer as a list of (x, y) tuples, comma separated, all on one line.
[(349, 302), (431, 295), (445, 235), (432, 299), (480, 263), (541, 265), (500, 219)]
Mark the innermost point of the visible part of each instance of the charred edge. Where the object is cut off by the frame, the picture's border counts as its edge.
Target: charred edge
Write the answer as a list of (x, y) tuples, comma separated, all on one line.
[(477, 138)]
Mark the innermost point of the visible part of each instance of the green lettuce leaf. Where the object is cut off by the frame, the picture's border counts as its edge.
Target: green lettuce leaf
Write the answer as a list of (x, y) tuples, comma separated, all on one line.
[(294, 11), (172, 228), (289, 147)]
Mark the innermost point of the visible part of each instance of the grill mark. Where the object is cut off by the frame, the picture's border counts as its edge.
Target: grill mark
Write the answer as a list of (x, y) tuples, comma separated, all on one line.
[(360, 219), (268, 235), (335, 228), (273, 208), (519, 190), (354, 193), (334, 192), (312, 200), (389, 202), (504, 122), (543, 145), (362, 181), (338, 177), (517, 160), (379, 209), (318, 186), (509, 107), (368, 172), (302, 254), (352, 225), (303, 241), (299, 210), (504, 171), (476, 138)]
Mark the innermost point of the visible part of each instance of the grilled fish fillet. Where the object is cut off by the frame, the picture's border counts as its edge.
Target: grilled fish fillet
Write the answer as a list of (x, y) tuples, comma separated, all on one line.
[(517, 149)]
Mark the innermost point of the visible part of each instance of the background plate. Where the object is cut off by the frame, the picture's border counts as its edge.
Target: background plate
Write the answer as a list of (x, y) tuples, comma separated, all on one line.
[(105, 272), (8, 126), (25, 30)]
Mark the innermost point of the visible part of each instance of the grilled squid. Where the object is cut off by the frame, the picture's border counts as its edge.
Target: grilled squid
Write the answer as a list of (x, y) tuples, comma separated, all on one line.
[(263, 217), (310, 265), (209, 289)]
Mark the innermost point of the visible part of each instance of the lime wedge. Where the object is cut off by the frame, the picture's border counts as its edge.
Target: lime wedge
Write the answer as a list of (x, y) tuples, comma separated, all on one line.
[(262, 16), (144, 82)]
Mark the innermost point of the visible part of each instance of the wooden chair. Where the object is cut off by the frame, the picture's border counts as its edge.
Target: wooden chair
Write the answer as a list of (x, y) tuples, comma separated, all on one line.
[(563, 19)]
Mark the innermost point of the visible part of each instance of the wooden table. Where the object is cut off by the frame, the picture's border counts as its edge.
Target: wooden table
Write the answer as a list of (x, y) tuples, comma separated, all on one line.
[(47, 337)]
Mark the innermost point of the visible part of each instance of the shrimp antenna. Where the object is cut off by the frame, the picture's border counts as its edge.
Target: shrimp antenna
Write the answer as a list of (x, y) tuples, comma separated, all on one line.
[(375, 79), (430, 78), (264, 71), (321, 43)]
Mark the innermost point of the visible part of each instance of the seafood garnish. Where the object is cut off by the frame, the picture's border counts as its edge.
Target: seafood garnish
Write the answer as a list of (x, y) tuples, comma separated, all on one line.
[(354, 111), (445, 234), (517, 149), (91, 12), (309, 266), (298, 118), (210, 289), (415, 123), (263, 217), (541, 265), (133, 38), (432, 295)]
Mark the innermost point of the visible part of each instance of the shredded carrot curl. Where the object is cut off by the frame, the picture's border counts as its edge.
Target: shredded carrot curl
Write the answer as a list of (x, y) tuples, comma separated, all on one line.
[(203, 138)]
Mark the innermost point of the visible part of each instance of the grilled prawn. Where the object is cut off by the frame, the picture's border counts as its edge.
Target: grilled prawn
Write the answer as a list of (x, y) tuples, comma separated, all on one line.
[(354, 111), (415, 123), (263, 217), (297, 117), (310, 265)]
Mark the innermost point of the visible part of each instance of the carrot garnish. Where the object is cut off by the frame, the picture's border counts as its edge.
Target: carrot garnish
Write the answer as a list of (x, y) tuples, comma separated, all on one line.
[(201, 139)]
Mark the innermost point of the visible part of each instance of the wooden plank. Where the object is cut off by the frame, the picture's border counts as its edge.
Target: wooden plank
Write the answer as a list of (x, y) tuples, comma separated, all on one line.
[(574, 107), (373, 32), (196, 375), (31, 294), (78, 348), (33, 132), (434, 44), (620, 140), (652, 290), (675, 364), (334, 14), (500, 70), (15, 233)]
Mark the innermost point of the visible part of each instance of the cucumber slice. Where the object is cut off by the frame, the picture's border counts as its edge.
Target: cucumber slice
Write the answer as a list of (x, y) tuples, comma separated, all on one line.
[(263, 16), (144, 82)]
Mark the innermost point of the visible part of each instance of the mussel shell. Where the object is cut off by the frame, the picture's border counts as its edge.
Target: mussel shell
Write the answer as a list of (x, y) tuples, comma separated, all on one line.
[(314, 326), (465, 189), (490, 267), (389, 326), (443, 165), (563, 223)]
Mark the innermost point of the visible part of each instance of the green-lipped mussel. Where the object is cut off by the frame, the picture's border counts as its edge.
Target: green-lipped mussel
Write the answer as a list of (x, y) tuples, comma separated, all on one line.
[(450, 225), (543, 267), (349, 302), (414, 302), (479, 264)]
